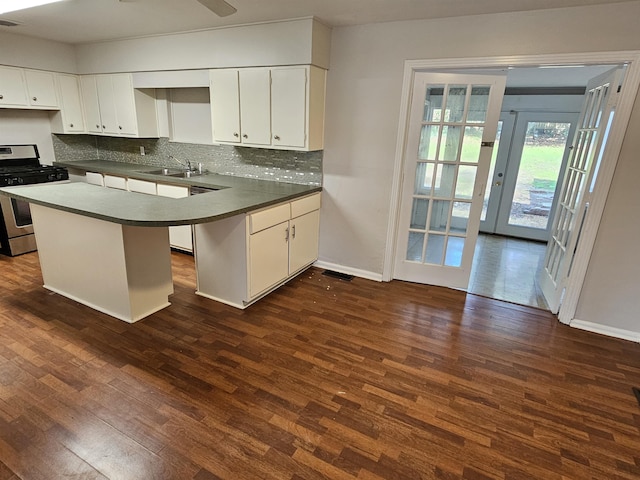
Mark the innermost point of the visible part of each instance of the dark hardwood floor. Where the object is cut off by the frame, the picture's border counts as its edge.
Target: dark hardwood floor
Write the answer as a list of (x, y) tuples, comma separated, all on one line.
[(324, 378)]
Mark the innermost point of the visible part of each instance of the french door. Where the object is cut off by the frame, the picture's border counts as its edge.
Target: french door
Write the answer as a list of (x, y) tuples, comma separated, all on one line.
[(452, 128), (528, 166), (579, 178)]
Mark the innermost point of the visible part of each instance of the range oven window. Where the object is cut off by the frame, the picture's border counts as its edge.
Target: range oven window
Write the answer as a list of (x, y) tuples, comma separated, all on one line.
[(21, 212)]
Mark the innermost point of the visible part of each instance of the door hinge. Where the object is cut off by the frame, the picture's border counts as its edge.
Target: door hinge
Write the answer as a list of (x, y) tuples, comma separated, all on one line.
[(487, 144)]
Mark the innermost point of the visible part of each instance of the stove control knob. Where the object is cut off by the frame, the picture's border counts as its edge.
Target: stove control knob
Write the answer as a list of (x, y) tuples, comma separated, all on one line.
[(20, 180), (9, 181)]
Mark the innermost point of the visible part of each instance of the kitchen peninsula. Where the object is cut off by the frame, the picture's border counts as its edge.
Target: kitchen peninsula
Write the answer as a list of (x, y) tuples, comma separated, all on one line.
[(109, 248)]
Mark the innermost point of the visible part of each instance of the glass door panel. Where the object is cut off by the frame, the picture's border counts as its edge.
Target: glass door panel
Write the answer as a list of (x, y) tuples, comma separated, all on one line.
[(445, 168), (538, 154)]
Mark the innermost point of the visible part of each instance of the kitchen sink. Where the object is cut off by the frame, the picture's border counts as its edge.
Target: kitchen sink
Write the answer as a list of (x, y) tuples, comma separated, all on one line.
[(167, 172), (172, 172)]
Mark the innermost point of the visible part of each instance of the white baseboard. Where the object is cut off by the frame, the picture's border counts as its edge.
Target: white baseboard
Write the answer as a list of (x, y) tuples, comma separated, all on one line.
[(377, 277), (606, 330)]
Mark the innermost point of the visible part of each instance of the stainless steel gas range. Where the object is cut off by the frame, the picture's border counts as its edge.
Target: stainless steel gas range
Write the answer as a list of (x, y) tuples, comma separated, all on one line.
[(20, 165)]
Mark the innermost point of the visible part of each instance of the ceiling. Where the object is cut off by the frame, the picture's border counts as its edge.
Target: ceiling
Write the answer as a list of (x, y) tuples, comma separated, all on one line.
[(85, 21)]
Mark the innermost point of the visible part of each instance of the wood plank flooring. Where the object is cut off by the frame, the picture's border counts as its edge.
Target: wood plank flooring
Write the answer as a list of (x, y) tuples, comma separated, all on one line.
[(323, 379)]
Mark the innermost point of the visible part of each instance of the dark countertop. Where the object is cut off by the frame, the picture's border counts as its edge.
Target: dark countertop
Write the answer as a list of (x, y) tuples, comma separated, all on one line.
[(235, 195)]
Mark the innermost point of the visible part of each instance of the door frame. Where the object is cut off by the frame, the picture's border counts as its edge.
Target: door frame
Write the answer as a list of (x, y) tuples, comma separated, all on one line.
[(607, 167)]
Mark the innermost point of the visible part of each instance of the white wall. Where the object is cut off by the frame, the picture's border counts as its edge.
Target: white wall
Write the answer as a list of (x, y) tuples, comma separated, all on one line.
[(27, 126), (28, 52), (363, 106)]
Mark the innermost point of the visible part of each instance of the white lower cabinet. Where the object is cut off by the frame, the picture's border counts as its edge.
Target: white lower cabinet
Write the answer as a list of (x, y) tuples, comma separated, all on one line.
[(180, 236), (242, 258)]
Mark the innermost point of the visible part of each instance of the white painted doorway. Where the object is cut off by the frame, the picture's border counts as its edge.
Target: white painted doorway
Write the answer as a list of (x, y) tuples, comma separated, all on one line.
[(451, 134), (575, 279)]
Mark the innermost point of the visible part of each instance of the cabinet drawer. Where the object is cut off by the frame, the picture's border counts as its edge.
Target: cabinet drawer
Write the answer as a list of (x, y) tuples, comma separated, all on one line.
[(305, 205), (112, 181), (94, 178), (267, 218), (141, 186)]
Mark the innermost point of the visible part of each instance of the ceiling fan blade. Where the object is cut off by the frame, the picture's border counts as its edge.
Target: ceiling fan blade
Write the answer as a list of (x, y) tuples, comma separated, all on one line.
[(219, 7)]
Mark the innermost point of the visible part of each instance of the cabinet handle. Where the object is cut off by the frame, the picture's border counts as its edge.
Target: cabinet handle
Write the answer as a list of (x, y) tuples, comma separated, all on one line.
[(120, 127), (35, 99), (236, 134), (276, 137), (103, 127), (1, 97), (71, 125), (293, 231), (97, 126), (245, 136), (286, 237)]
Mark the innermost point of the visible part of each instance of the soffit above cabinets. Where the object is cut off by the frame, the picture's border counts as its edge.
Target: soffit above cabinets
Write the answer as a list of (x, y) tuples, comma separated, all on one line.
[(84, 21)]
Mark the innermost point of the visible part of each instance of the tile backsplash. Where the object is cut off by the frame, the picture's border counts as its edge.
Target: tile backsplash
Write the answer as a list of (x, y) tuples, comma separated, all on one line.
[(278, 165)]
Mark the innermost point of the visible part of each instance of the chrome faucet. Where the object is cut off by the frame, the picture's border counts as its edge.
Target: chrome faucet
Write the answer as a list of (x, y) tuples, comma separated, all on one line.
[(187, 165)]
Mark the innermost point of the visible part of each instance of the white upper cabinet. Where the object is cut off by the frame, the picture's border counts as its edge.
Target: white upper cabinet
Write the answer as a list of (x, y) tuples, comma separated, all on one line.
[(41, 88), (70, 117), (89, 91), (225, 111), (278, 107), (255, 106), (289, 106), (13, 90), (113, 107)]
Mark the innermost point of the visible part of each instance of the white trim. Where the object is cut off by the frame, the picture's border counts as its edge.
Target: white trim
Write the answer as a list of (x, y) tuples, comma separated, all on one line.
[(606, 330), (356, 272), (614, 144)]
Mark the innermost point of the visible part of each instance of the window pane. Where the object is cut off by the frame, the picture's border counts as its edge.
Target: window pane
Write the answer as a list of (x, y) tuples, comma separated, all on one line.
[(455, 103), (450, 143), (435, 249), (471, 144), (414, 247), (460, 217), (478, 104), (445, 176), (439, 215), (424, 178), (540, 163), (428, 142), (419, 213), (433, 103), (455, 245), (466, 181)]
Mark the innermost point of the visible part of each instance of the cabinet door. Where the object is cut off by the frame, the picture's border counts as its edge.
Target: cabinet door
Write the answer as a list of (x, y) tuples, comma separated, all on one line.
[(255, 106), (225, 106), (125, 105), (303, 243), (289, 106), (180, 236), (70, 104), (41, 87), (12, 87), (89, 88), (106, 100), (268, 258)]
